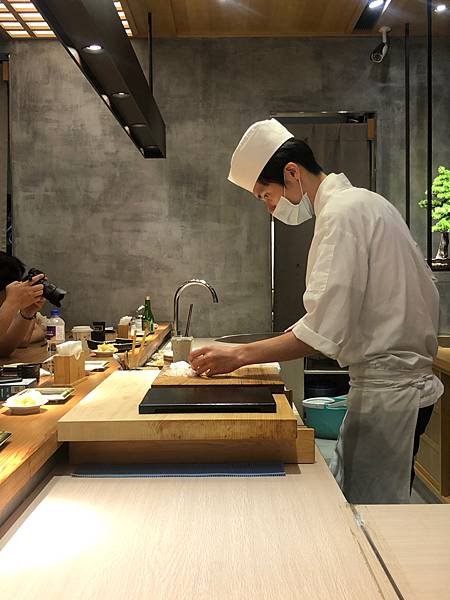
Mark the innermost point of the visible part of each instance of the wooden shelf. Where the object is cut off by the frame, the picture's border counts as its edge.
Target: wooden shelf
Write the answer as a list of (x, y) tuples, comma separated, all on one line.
[(433, 459)]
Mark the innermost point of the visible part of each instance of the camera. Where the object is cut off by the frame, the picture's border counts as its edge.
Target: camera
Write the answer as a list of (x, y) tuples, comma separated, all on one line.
[(379, 53), (51, 293)]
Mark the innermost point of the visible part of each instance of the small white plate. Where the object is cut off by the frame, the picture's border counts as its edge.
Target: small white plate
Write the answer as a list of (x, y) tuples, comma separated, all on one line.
[(19, 409), (96, 365)]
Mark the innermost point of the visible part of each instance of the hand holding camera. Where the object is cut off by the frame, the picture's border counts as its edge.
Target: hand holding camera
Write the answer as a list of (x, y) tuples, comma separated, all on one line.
[(51, 292), (24, 295)]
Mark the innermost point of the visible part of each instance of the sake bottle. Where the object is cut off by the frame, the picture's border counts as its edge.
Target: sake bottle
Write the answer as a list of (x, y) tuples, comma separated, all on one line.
[(149, 320)]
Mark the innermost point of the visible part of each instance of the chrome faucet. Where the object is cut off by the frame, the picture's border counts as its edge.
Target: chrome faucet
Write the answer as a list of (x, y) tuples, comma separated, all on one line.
[(184, 286)]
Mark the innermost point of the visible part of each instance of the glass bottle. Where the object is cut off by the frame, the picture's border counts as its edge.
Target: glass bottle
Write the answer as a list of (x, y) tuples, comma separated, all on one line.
[(149, 320)]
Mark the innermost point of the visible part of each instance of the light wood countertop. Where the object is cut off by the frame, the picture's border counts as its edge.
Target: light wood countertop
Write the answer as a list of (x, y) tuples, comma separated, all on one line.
[(267, 538), (34, 439), (110, 413), (414, 543)]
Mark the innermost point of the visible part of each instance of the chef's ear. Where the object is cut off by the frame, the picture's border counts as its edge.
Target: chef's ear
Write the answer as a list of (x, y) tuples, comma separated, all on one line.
[(291, 169)]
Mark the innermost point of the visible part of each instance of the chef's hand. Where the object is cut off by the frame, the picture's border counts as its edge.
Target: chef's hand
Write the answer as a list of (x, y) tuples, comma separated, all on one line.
[(212, 360)]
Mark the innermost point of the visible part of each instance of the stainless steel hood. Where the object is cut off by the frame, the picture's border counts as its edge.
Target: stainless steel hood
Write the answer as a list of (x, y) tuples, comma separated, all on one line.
[(94, 37)]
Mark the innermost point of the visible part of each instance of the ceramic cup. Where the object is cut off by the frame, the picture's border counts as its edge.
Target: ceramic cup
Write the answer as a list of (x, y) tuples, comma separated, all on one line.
[(181, 347), (82, 333)]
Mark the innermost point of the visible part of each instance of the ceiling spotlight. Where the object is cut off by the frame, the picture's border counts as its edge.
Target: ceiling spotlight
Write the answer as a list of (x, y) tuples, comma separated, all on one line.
[(120, 95), (376, 4), (93, 48), (440, 8)]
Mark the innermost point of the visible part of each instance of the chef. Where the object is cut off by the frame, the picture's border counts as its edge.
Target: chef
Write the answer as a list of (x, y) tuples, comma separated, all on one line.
[(371, 304)]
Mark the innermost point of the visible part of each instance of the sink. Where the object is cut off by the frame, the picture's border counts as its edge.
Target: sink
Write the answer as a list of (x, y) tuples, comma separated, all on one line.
[(247, 338)]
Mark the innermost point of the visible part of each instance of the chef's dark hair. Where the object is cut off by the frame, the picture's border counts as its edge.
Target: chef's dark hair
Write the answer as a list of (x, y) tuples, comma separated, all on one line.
[(11, 269), (295, 151)]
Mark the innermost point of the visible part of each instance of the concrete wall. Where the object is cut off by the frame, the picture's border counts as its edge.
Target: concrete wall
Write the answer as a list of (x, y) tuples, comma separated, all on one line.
[(111, 226)]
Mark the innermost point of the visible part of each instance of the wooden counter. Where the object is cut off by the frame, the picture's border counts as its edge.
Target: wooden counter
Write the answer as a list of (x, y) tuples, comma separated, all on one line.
[(442, 360), (414, 544), (34, 440), (229, 538), (433, 459), (106, 427)]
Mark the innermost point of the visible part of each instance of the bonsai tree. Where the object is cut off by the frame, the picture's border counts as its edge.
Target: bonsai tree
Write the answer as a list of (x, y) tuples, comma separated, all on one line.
[(441, 209)]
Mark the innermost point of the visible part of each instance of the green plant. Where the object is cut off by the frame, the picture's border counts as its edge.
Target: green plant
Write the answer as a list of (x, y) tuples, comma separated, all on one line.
[(440, 200)]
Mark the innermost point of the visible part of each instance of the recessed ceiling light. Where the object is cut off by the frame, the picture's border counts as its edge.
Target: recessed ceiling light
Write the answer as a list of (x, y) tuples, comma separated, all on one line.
[(35, 16), (376, 4), (93, 48), (23, 5), (34, 25), (12, 25), (440, 8), (120, 95)]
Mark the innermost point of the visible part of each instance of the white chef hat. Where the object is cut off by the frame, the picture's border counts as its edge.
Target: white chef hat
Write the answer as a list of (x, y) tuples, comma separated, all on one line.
[(258, 144)]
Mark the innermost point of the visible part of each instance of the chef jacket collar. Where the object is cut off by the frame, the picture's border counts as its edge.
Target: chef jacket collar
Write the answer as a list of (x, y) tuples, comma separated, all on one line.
[(330, 185)]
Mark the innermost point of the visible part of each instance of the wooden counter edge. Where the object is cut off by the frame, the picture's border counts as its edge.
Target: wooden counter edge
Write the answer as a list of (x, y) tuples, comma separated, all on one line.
[(17, 480)]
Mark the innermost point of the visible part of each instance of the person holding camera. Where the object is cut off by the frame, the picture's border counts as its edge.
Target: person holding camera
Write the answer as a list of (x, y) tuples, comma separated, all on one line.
[(20, 302)]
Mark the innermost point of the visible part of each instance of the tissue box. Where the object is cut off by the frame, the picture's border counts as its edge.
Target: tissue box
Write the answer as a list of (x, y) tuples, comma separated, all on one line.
[(9, 389), (123, 331), (68, 370)]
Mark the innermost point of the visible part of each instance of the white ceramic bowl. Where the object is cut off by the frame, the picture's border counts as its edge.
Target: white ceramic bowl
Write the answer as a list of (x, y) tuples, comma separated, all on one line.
[(16, 408)]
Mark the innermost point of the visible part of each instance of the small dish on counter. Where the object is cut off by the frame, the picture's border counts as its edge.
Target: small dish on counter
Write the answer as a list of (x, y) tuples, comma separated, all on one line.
[(105, 349), (28, 402), (57, 395), (96, 365)]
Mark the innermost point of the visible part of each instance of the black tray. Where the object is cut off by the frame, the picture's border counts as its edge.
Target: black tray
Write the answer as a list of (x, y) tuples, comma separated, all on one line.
[(208, 399)]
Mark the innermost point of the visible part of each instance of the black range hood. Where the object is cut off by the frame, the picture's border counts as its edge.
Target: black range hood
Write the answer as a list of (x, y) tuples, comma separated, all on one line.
[(93, 35)]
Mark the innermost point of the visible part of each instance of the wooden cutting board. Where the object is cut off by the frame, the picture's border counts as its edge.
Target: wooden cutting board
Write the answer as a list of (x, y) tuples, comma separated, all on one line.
[(110, 413), (250, 375)]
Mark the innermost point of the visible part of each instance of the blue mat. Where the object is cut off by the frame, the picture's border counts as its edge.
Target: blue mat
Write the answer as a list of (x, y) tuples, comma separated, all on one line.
[(261, 469)]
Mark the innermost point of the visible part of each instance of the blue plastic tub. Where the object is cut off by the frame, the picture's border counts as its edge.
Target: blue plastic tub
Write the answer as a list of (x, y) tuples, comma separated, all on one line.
[(325, 415)]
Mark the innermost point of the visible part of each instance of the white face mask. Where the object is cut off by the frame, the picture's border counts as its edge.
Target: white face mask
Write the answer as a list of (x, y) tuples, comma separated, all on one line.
[(294, 214)]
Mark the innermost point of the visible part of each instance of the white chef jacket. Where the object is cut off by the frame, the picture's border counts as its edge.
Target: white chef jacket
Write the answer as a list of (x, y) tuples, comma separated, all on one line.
[(370, 295)]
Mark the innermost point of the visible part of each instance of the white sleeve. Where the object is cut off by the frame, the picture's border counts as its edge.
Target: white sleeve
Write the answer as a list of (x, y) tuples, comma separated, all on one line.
[(336, 287)]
